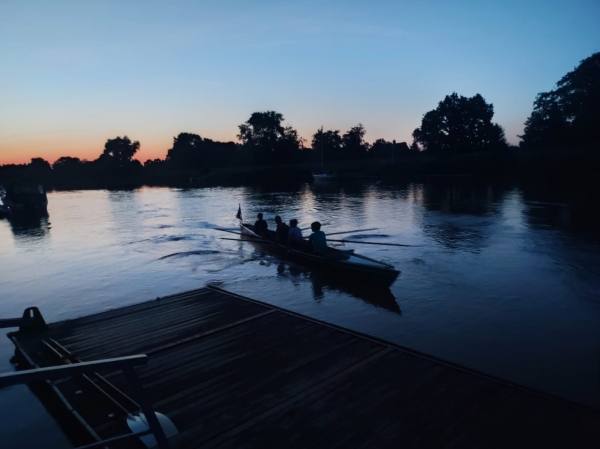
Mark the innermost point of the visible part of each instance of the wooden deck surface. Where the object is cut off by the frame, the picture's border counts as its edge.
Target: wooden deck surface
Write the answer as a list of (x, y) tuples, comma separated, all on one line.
[(234, 373)]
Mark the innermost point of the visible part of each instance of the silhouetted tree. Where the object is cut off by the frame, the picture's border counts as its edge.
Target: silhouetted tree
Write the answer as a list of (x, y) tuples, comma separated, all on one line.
[(67, 163), (185, 152), (192, 151), (40, 165), (269, 141), (569, 114), (119, 152), (353, 142), (153, 163), (330, 141), (414, 147), (382, 149), (460, 125)]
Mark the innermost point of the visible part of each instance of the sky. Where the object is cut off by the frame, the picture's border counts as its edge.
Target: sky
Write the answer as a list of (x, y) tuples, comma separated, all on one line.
[(76, 73)]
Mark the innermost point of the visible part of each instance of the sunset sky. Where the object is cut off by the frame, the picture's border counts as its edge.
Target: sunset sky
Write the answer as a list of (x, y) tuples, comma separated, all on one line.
[(75, 73)]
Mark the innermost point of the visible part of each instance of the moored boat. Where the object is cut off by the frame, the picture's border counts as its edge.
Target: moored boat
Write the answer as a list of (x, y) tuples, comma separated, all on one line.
[(24, 196), (323, 176), (336, 261)]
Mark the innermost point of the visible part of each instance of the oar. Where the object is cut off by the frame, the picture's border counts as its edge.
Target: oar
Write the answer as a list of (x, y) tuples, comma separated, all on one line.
[(225, 230), (348, 232), (345, 232), (368, 243), (258, 241)]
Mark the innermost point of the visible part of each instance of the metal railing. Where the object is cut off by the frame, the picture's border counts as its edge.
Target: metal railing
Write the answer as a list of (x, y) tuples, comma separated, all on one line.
[(126, 364)]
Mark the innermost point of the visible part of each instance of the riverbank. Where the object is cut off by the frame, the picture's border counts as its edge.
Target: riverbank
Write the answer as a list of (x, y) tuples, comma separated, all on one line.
[(574, 165)]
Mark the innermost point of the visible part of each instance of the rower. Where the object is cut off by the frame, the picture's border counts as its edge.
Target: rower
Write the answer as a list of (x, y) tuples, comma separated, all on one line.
[(260, 226), (318, 239), (295, 233), (282, 230)]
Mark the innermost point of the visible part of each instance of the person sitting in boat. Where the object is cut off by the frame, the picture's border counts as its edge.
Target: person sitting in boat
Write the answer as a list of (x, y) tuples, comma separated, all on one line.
[(295, 233), (260, 226), (282, 230), (318, 239)]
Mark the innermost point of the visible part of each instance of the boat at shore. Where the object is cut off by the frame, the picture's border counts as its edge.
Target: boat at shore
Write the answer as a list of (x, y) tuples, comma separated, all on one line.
[(323, 176), (339, 262), (25, 197)]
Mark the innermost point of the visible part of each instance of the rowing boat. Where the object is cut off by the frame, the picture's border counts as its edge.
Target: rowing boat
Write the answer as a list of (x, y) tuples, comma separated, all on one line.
[(341, 262)]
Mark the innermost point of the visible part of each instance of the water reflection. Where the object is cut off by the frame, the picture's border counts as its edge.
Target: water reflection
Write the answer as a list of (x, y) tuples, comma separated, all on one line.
[(465, 214), (322, 283), (568, 210), (31, 226), (468, 199), (501, 278)]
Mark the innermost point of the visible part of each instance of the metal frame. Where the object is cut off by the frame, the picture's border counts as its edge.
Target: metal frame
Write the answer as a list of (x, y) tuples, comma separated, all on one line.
[(127, 364)]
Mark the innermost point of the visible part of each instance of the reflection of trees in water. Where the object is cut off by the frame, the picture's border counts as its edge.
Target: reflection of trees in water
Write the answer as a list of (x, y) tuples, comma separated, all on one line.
[(571, 209), (457, 237), (469, 199), (124, 210), (467, 203), (322, 283), (31, 226), (569, 216)]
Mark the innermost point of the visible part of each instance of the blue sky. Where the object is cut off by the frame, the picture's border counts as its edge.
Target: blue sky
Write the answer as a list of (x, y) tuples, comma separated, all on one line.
[(75, 73)]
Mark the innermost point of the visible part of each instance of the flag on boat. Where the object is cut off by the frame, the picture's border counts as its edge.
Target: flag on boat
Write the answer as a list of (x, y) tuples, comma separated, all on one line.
[(239, 213)]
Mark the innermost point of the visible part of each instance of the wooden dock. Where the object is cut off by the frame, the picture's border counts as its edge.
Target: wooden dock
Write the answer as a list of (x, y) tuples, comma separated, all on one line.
[(231, 372)]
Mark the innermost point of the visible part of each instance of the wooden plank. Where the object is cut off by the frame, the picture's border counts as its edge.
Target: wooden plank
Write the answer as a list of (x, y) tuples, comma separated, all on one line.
[(144, 338), (134, 308), (162, 361), (164, 314), (271, 385), (158, 316), (194, 435), (342, 402), (238, 360), (195, 365)]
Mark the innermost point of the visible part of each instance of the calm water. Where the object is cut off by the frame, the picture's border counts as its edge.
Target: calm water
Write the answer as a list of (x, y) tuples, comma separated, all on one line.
[(504, 280)]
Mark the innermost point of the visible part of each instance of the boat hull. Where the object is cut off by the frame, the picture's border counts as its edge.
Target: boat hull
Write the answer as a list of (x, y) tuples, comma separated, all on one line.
[(336, 263)]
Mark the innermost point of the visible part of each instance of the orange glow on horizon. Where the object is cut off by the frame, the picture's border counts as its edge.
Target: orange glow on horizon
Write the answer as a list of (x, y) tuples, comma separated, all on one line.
[(23, 150)]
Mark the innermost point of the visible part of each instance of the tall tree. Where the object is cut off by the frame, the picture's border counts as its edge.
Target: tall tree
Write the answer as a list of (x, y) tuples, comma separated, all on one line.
[(66, 163), (569, 114), (264, 134), (192, 151), (185, 151), (119, 152), (353, 142), (382, 149), (40, 165), (459, 125), (330, 142)]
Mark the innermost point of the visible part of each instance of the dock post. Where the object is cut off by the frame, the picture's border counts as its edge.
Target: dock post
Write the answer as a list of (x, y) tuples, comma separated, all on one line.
[(146, 406)]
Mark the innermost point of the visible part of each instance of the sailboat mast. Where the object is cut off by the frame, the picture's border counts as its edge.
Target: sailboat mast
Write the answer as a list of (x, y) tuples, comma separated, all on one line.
[(322, 137)]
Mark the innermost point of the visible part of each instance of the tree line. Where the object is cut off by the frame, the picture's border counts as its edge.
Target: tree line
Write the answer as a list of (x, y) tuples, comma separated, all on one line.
[(567, 116)]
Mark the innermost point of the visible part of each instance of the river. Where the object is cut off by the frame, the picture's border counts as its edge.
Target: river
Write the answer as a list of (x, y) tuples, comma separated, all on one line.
[(503, 279)]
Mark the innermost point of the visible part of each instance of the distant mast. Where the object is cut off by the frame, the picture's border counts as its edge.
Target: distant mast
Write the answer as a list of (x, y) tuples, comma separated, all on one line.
[(322, 162)]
